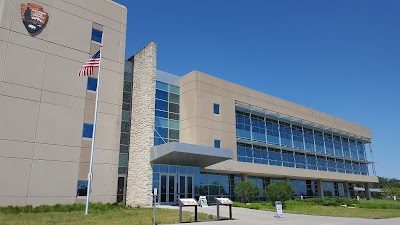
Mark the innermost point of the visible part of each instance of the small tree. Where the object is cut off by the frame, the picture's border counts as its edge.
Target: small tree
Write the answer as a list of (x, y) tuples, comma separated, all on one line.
[(280, 191), (246, 191)]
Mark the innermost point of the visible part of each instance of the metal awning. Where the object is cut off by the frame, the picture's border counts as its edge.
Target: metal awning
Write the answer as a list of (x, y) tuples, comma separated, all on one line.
[(176, 153)]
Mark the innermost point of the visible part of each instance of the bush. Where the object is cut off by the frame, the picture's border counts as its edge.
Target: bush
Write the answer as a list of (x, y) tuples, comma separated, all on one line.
[(330, 201), (58, 208), (246, 191), (280, 191)]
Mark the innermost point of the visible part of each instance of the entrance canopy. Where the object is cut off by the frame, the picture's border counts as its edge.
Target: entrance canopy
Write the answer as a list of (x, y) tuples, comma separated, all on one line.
[(183, 154)]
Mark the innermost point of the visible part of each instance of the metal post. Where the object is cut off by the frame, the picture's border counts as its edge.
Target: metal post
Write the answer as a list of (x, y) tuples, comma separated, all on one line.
[(180, 212), (195, 213), (218, 217), (230, 212), (154, 209), (90, 174)]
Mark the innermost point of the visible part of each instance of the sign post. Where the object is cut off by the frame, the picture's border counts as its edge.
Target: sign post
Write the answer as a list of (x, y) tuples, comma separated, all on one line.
[(279, 212), (224, 201), (154, 205), (182, 202)]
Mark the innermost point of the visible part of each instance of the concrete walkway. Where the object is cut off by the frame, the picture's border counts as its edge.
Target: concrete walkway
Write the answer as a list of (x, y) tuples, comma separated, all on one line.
[(254, 217)]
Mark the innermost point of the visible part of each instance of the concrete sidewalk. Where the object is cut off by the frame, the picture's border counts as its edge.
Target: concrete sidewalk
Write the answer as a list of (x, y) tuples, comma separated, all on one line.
[(254, 217)]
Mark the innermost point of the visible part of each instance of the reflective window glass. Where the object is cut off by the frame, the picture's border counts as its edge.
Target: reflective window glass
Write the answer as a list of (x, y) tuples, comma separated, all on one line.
[(161, 86), (92, 84)]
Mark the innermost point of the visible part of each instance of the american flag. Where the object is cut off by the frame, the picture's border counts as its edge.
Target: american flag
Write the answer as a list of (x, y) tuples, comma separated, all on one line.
[(87, 69)]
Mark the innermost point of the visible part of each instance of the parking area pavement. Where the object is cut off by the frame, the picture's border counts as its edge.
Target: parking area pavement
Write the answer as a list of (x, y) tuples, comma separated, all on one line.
[(244, 216)]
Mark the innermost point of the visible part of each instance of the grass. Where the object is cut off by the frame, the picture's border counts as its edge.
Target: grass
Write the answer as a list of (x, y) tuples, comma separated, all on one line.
[(100, 214), (374, 209)]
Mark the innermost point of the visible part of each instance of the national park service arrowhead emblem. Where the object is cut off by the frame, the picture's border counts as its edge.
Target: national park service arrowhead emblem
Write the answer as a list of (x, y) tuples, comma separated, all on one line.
[(34, 17)]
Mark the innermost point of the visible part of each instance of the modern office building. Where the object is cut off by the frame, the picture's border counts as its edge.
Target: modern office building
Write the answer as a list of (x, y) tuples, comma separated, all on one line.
[(186, 136), (199, 135), (46, 110)]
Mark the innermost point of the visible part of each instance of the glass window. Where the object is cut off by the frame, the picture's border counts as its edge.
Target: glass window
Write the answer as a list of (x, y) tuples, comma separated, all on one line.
[(272, 131), (321, 163), (128, 77), (216, 109), (123, 148), (338, 145), (163, 95), (173, 108), (287, 158), (174, 124), (309, 139), (174, 98), (361, 151), (162, 105), (126, 116), (161, 132), (300, 160), (123, 160), (286, 134), (174, 89), (87, 130), (162, 86), (127, 86), (92, 84), (258, 128), (162, 114), (346, 147), (82, 188), (311, 162), (126, 107), (217, 143), (127, 97), (125, 138), (329, 144), (174, 116), (298, 137), (125, 126), (161, 122), (319, 142), (97, 35), (353, 149), (174, 134)]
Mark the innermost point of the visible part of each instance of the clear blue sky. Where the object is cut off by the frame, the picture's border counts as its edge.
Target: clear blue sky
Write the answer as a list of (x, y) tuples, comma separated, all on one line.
[(341, 57)]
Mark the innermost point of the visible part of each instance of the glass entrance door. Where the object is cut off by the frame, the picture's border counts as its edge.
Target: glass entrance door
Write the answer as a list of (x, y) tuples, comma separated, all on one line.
[(167, 189), (186, 188)]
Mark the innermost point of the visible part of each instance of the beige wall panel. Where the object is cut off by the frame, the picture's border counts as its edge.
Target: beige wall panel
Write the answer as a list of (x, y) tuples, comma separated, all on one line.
[(103, 156), (62, 100), (87, 4), (228, 141), (188, 135), (227, 93), (257, 95), (73, 9), (4, 34), (16, 149), (36, 201), (111, 85), (114, 180), (19, 27), (46, 2), (56, 153), (3, 50), (31, 74), (106, 22), (83, 171), (105, 131), (112, 44), (202, 122), (13, 201), (20, 116), (69, 53), (112, 65), (58, 177), (205, 136), (84, 155), (17, 182), (209, 88), (257, 103), (204, 104), (242, 98), (228, 127), (211, 80), (228, 114), (229, 86), (188, 78), (187, 87), (89, 111), (108, 108), (64, 31), (27, 41), (59, 125), (104, 199), (188, 123), (188, 105), (61, 77), (6, 12), (117, 133), (115, 159), (101, 179), (19, 91), (111, 10)]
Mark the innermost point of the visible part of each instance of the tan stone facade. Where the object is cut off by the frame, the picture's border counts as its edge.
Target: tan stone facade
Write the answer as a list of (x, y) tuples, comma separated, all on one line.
[(43, 103), (142, 126)]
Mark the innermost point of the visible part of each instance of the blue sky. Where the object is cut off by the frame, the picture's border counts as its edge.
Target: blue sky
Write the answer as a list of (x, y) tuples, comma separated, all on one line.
[(340, 57)]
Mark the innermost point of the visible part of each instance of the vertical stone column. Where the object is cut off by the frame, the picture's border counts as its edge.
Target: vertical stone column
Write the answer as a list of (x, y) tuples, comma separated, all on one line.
[(244, 177), (139, 181), (346, 189), (367, 191), (320, 189)]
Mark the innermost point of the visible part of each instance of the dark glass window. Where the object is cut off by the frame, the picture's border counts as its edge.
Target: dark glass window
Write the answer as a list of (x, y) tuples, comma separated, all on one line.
[(286, 134), (126, 107), (297, 137), (82, 188), (161, 132), (125, 127), (163, 95), (174, 134), (161, 86), (309, 139), (174, 116), (174, 98), (272, 131), (87, 130), (125, 139), (161, 114), (258, 128), (216, 109), (161, 105), (217, 143), (173, 108), (97, 35), (92, 84), (127, 86)]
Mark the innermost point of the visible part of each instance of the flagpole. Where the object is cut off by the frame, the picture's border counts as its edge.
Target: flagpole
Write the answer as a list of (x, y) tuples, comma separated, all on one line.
[(90, 174)]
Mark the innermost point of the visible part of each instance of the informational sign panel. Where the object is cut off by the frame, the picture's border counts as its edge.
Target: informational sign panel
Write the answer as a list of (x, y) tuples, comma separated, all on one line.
[(394, 198), (188, 202), (279, 211), (224, 201), (203, 201)]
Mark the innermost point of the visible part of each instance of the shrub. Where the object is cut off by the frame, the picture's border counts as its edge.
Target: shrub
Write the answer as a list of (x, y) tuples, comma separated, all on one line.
[(280, 191), (246, 191), (330, 201)]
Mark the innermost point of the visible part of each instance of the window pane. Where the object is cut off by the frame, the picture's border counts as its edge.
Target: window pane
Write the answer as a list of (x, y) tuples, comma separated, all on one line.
[(173, 108), (216, 108), (161, 86), (82, 188), (161, 105), (96, 35), (92, 84), (128, 77), (126, 116), (123, 160), (174, 89), (174, 124), (174, 98), (174, 116), (162, 114), (126, 107), (125, 138), (87, 130), (161, 122), (174, 134), (127, 86), (217, 143), (125, 126), (163, 95)]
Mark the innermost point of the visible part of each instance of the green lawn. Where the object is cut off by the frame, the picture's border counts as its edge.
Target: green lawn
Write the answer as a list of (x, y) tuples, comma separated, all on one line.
[(376, 209), (132, 216)]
